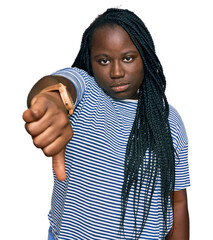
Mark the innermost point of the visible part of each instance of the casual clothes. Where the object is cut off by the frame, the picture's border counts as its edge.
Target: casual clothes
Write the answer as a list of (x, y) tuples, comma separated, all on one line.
[(87, 204)]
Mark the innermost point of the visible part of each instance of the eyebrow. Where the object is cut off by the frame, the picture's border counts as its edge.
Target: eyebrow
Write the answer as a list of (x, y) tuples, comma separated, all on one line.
[(129, 52), (125, 53)]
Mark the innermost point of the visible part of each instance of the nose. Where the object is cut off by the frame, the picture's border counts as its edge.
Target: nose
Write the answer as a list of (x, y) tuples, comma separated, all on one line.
[(116, 70)]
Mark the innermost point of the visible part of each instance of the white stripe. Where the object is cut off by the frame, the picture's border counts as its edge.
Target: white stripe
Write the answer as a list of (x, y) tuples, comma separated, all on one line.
[(87, 205)]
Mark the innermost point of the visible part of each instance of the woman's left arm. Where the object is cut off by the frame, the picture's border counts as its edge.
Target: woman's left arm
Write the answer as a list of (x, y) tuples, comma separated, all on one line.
[(180, 228)]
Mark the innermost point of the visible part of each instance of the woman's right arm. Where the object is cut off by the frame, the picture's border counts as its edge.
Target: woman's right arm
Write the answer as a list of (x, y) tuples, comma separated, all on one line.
[(49, 81), (47, 121)]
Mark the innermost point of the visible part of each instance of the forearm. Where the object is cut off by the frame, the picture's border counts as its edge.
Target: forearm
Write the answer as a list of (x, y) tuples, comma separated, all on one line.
[(48, 81), (180, 229)]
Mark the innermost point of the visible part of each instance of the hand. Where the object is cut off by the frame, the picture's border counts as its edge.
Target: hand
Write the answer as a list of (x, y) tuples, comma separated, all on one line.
[(48, 124)]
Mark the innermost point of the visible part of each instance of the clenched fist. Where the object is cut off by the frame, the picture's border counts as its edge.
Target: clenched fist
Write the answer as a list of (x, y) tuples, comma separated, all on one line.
[(48, 124)]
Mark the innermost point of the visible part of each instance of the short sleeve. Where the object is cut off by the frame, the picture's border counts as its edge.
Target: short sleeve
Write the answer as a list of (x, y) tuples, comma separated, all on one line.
[(180, 142), (76, 76)]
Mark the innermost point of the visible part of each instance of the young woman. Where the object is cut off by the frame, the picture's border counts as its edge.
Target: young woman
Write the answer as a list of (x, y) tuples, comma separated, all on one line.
[(125, 170)]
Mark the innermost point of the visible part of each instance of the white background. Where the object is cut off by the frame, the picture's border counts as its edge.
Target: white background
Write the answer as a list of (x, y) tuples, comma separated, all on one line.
[(39, 37)]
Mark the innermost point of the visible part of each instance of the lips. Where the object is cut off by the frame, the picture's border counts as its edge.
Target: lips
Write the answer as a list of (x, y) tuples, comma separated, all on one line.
[(120, 88)]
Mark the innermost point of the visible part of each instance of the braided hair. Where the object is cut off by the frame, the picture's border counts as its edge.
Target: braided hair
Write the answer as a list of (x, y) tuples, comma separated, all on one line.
[(149, 152)]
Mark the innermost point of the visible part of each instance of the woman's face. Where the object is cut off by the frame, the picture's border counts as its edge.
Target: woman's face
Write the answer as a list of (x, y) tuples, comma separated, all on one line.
[(116, 63)]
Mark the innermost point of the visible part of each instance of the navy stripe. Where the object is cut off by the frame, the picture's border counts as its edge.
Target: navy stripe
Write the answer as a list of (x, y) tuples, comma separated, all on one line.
[(87, 204)]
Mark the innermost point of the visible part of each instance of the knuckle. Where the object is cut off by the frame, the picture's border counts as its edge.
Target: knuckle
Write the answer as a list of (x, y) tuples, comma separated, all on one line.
[(47, 151), (36, 113), (30, 129), (65, 121), (37, 143), (27, 127), (50, 150), (24, 115)]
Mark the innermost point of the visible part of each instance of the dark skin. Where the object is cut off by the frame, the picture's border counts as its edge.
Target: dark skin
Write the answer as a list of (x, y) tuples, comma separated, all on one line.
[(116, 63), (180, 229), (118, 69), (47, 122)]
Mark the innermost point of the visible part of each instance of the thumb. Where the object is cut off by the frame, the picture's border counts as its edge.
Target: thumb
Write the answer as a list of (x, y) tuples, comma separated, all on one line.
[(58, 162)]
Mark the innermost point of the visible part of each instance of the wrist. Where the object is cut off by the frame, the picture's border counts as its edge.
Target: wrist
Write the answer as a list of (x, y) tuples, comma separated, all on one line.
[(64, 95)]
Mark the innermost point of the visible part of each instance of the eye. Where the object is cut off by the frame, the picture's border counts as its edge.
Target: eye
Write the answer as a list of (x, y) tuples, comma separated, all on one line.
[(103, 61), (128, 59)]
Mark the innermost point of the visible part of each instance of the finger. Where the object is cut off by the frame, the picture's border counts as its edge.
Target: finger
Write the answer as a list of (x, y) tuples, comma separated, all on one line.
[(54, 139), (45, 138), (48, 128), (29, 116), (56, 146), (58, 162), (35, 112), (37, 127)]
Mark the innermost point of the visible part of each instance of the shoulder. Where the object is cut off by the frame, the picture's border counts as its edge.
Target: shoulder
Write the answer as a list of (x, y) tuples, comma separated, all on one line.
[(175, 119), (81, 80), (75, 74), (177, 127)]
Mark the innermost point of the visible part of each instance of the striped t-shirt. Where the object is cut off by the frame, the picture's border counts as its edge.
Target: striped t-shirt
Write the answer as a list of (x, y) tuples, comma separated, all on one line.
[(87, 205)]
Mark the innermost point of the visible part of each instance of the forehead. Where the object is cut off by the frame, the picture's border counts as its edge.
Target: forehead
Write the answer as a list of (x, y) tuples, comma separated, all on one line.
[(112, 37)]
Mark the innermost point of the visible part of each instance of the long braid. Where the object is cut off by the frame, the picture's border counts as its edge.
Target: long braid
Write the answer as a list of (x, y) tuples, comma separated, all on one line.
[(149, 150)]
